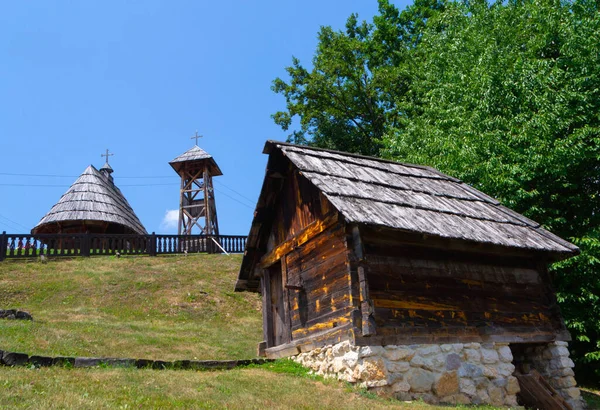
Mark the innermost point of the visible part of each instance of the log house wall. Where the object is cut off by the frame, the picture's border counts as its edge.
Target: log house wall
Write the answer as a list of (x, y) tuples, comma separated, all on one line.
[(427, 295), (316, 276)]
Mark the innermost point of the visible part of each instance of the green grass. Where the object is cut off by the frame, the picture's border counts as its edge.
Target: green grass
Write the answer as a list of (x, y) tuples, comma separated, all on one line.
[(166, 308), (163, 308)]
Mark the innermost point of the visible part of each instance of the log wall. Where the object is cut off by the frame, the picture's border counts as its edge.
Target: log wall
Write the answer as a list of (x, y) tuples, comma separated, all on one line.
[(319, 279), (310, 241), (421, 294)]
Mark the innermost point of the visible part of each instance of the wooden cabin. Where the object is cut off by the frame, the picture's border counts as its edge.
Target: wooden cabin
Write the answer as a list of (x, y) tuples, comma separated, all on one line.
[(431, 288), (347, 247), (92, 204)]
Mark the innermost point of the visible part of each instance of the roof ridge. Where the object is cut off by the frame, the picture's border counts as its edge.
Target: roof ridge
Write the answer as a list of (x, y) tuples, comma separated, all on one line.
[(354, 155)]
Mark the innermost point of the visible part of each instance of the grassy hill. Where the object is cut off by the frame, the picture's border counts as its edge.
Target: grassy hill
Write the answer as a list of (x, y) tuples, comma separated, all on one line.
[(157, 308), (163, 308)]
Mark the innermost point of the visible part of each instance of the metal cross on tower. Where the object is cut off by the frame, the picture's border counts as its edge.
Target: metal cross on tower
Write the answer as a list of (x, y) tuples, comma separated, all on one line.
[(196, 137), (106, 155)]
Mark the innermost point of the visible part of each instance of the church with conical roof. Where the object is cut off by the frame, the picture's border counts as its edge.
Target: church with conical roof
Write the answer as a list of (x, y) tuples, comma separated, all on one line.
[(92, 204)]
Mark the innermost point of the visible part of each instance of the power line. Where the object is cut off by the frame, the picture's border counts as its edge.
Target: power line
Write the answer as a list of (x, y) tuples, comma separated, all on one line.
[(230, 197), (233, 190), (76, 176), (67, 186), (11, 221)]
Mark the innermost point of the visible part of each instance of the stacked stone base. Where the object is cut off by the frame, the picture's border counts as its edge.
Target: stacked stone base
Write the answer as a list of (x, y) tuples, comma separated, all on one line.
[(471, 373), (553, 363)]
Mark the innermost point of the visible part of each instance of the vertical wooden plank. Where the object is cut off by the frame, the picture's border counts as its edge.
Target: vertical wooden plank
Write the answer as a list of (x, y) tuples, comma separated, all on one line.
[(366, 305), (265, 283), (287, 328)]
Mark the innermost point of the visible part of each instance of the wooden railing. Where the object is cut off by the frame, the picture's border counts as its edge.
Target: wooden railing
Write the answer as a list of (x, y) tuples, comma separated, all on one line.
[(89, 244)]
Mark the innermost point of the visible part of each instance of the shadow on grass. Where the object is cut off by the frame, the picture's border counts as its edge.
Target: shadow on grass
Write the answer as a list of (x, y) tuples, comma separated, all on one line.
[(591, 397)]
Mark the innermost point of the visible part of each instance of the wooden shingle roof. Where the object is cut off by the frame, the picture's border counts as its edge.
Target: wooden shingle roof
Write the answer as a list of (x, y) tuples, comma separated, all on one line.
[(93, 197), (414, 198), (196, 155)]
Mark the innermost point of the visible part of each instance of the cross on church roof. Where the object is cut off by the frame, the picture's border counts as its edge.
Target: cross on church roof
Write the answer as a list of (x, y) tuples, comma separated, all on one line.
[(106, 155), (196, 137)]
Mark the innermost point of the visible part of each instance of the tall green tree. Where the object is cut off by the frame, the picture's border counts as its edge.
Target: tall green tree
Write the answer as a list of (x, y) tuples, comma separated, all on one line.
[(507, 97), (347, 100)]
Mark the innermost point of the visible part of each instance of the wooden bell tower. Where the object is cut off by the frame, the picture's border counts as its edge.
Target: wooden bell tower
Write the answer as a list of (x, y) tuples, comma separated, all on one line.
[(197, 209)]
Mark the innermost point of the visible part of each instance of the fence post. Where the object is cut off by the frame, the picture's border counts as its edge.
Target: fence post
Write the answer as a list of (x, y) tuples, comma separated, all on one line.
[(152, 245), (86, 244), (3, 246)]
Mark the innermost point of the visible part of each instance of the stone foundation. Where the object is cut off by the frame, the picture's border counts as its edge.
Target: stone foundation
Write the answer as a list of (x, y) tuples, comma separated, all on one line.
[(553, 363), (449, 373)]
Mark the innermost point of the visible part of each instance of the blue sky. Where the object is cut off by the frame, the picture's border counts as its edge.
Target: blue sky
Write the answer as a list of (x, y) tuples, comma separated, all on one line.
[(139, 78)]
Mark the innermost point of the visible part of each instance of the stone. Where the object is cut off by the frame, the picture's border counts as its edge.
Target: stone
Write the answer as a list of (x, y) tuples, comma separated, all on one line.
[(453, 361), (564, 382), (500, 382), (457, 347), (481, 397), (374, 383), (429, 398), (489, 356), (481, 382), (472, 355), (505, 369), (496, 395), (471, 345), (505, 354), (41, 361), (401, 386), (338, 364), (561, 362), (87, 361), (340, 349), (490, 372), (467, 387), (429, 350), (561, 343), (567, 371), (446, 348), (558, 351), (63, 361), (399, 354), (470, 370), (512, 385), (398, 367), (350, 358), (511, 401), (14, 359), (23, 315), (447, 384), (456, 399), (370, 369), (573, 392), (420, 380), (428, 363), (368, 351)]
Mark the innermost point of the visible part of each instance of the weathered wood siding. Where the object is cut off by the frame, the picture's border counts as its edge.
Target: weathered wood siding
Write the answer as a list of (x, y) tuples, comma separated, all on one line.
[(317, 278), (299, 205), (419, 291), (319, 297)]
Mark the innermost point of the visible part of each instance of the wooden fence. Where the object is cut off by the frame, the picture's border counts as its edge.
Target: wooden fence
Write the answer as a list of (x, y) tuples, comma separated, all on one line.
[(89, 244)]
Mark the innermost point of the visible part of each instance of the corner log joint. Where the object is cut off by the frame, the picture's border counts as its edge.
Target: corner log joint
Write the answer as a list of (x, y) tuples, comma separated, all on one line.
[(299, 239)]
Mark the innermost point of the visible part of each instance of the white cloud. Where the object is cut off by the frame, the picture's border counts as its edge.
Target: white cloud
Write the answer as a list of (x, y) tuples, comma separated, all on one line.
[(170, 219)]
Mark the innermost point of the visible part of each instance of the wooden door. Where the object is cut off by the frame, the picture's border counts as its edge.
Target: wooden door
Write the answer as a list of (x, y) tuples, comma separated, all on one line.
[(279, 326)]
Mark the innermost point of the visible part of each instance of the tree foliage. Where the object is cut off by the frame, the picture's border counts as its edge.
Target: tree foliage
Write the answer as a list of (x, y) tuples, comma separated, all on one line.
[(348, 100), (505, 96)]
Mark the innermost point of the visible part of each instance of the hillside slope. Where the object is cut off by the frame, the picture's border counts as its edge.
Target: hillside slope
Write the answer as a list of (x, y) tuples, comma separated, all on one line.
[(169, 308)]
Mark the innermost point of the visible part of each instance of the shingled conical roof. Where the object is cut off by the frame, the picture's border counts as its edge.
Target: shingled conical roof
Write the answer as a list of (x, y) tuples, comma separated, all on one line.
[(92, 203), (196, 156)]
